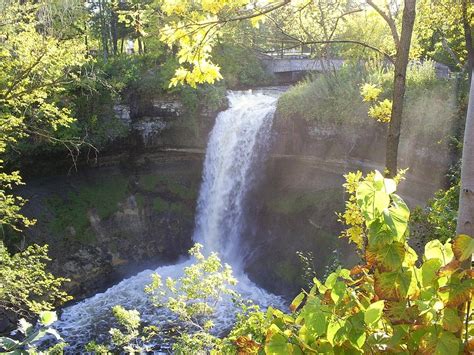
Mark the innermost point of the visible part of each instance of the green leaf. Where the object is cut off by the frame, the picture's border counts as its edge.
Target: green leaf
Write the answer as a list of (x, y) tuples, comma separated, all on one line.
[(457, 291), (379, 180), (319, 286), (391, 256), (333, 327), (379, 234), (373, 313), (331, 280), (436, 250), (395, 285), (372, 198), (463, 247), (276, 342), (451, 321), (397, 216), (297, 302), (355, 330), (399, 332), (47, 317), (345, 274), (429, 270), (315, 317), (8, 343), (338, 291), (316, 323), (447, 344), (411, 257)]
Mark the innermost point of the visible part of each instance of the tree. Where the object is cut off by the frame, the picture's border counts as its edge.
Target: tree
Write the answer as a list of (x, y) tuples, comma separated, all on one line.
[(34, 69), (195, 26), (201, 23), (465, 222), (399, 82), (135, 15), (27, 288)]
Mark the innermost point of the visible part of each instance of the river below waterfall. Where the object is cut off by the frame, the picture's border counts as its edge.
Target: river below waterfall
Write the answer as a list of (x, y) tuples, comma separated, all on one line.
[(237, 147)]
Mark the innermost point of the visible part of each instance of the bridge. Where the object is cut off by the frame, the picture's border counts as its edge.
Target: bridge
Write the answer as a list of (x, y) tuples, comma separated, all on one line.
[(290, 68)]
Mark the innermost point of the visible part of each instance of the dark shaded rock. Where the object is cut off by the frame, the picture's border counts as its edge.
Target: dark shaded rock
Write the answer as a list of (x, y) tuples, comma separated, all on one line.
[(112, 221)]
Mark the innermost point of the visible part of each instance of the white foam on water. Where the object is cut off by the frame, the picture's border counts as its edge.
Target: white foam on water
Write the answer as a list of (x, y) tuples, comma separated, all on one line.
[(237, 146)]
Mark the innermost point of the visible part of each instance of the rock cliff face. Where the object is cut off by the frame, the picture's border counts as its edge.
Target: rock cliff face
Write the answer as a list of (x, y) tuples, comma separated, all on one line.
[(111, 221), (166, 122), (129, 209), (294, 209), (348, 147)]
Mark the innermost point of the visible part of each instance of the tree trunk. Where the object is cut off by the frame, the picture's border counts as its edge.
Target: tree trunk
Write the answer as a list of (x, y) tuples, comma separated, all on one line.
[(468, 38), (401, 64), (103, 30), (465, 223), (114, 31), (86, 38), (140, 46)]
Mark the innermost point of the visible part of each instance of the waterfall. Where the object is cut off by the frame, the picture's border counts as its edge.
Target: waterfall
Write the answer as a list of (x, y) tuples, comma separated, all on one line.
[(237, 146)]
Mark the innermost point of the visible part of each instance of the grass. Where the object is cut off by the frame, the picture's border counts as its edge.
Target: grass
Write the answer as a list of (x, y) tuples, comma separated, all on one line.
[(315, 98), (334, 98)]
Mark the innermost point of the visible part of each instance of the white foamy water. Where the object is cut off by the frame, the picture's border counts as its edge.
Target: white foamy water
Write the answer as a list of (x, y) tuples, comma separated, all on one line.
[(237, 147)]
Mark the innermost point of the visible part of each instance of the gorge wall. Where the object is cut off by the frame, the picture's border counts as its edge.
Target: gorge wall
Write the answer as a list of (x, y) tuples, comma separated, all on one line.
[(134, 208)]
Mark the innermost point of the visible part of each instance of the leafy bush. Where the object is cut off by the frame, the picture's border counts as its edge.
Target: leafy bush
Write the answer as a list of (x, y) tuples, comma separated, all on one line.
[(130, 337), (429, 110), (32, 334), (26, 286), (386, 304), (438, 219), (192, 299)]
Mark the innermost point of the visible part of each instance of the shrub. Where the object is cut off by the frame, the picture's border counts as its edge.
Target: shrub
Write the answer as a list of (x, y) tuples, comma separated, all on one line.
[(130, 336), (192, 298), (430, 101), (314, 98), (31, 334), (389, 303), (26, 287)]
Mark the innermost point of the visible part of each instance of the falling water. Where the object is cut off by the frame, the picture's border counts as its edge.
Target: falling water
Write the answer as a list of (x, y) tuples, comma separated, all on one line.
[(236, 148)]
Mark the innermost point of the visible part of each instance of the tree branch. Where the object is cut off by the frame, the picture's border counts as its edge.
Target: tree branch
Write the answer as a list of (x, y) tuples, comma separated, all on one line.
[(448, 49), (248, 16), (389, 20)]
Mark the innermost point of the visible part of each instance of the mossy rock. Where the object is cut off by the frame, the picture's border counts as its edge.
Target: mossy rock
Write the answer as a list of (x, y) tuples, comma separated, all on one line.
[(72, 212)]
